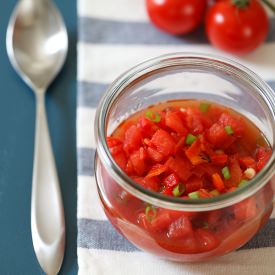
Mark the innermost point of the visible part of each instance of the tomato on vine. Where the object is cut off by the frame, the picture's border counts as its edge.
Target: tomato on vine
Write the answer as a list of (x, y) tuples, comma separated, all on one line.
[(176, 16), (237, 26)]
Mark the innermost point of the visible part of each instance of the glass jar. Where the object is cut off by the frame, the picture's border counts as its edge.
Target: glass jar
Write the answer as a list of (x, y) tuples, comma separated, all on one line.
[(235, 217)]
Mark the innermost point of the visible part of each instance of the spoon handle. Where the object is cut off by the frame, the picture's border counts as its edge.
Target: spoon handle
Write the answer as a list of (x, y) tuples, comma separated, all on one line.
[(47, 214)]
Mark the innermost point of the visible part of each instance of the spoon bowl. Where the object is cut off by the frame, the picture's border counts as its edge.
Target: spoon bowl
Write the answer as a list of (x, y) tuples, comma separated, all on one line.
[(37, 44)]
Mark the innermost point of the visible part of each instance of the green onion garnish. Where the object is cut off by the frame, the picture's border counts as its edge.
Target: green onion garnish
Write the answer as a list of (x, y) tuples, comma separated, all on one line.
[(150, 212), (226, 173), (194, 195), (204, 107), (153, 116), (178, 190), (228, 129), (190, 139), (243, 183)]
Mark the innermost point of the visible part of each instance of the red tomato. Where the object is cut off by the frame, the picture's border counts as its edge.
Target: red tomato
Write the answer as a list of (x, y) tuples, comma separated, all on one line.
[(180, 228), (156, 170), (193, 184), (238, 30), (154, 154), (174, 122), (247, 162), (206, 239), (235, 172), (171, 180), (138, 163), (246, 209), (176, 16), (132, 139), (194, 121), (237, 125), (218, 136), (263, 156), (181, 166), (163, 142)]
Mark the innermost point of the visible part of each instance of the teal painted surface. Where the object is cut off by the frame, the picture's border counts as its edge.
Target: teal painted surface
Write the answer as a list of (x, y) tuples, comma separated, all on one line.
[(16, 152)]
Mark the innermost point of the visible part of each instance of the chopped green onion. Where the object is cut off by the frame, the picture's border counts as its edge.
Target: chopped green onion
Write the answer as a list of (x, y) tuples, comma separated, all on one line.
[(178, 190), (194, 195), (190, 139), (150, 212), (226, 173), (228, 129), (215, 193), (204, 107), (153, 116), (243, 183)]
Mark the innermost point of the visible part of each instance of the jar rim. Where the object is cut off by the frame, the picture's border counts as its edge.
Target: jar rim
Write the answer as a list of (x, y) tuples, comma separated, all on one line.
[(155, 198)]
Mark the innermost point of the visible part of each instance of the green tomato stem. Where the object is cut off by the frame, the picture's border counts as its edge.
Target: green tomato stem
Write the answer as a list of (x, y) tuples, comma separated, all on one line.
[(269, 4), (241, 4)]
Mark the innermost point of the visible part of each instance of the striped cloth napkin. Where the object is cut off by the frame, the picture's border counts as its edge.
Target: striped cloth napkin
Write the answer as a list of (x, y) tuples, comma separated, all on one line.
[(113, 36)]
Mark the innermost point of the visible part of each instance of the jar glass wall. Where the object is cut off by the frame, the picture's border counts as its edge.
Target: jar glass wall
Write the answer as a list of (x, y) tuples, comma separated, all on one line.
[(185, 76)]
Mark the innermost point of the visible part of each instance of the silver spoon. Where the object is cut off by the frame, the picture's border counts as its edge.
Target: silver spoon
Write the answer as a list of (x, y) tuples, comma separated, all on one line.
[(37, 45)]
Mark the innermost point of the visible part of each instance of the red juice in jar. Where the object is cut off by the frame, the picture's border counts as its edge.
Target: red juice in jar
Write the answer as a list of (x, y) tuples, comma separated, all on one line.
[(189, 149)]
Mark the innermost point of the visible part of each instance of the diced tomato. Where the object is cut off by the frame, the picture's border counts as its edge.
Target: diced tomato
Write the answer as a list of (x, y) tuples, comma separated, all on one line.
[(235, 172), (152, 183), (112, 141), (206, 169), (159, 157), (174, 122), (262, 156), (206, 239), (146, 127), (161, 221), (194, 153), (163, 142), (129, 169), (180, 228), (154, 155), (204, 194), (218, 182), (138, 163), (206, 147), (193, 184), (219, 159), (214, 218), (193, 121), (121, 160), (231, 189), (236, 123), (174, 215), (181, 167), (132, 140), (171, 180), (117, 149), (156, 170), (180, 144), (247, 162), (167, 190), (246, 209), (218, 136), (142, 220)]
